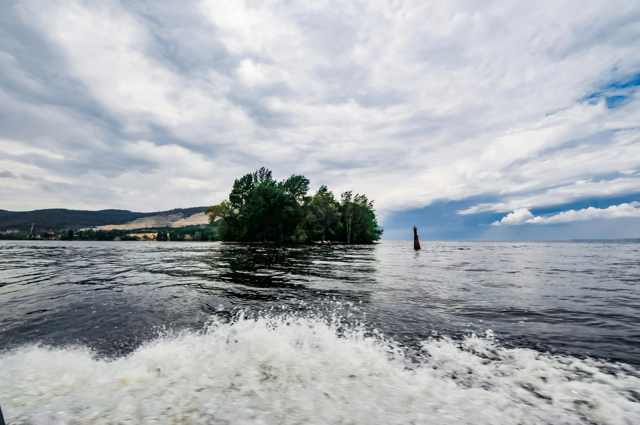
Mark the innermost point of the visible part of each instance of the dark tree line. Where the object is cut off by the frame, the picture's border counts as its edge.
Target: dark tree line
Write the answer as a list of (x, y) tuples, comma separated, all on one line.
[(62, 219), (202, 232), (191, 233), (265, 210)]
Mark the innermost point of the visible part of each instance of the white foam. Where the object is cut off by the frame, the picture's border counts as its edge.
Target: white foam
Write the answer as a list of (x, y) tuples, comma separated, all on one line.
[(285, 370)]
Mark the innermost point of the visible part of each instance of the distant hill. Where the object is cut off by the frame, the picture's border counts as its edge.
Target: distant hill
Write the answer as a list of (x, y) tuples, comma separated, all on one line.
[(60, 219)]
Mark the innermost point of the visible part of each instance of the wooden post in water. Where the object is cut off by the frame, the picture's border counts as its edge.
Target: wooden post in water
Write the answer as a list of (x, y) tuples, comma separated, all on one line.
[(416, 242)]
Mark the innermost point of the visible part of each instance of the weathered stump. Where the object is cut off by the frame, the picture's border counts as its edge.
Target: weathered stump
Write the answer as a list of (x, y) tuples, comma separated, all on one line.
[(416, 242)]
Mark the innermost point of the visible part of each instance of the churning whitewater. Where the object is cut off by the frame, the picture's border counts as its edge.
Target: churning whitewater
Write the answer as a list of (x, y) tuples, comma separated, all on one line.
[(187, 333), (291, 370)]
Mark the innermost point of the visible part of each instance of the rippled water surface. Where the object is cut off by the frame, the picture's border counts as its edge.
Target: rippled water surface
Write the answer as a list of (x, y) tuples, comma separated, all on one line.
[(460, 332)]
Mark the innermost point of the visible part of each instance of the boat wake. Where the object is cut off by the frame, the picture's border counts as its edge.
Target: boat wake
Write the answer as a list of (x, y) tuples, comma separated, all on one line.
[(282, 369)]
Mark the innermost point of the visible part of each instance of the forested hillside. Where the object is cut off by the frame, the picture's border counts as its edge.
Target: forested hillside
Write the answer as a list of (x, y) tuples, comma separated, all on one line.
[(59, 218)]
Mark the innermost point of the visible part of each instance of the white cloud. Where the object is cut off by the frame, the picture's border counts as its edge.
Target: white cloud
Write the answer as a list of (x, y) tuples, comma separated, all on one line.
[(577, 191), (408, 102), (524, 216), (14, 147), (519, 216)]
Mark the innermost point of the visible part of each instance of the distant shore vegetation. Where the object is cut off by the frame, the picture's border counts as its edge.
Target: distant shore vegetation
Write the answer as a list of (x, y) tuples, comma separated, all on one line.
[(198, 233), (262, 209)]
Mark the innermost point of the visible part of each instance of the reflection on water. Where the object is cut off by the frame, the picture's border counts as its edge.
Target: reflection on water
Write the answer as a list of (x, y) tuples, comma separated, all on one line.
[(576, 298)]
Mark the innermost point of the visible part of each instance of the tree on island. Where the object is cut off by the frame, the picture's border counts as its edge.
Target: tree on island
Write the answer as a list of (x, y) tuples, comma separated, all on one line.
[(265, 210)]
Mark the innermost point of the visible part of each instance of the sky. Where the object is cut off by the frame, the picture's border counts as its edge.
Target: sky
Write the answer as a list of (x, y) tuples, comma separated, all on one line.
[(500, 120)]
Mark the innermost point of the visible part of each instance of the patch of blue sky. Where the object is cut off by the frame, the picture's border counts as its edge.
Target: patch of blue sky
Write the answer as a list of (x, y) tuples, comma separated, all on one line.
[(615, 101), (600, 203), (441, 221), (633, 81), (614, 93)]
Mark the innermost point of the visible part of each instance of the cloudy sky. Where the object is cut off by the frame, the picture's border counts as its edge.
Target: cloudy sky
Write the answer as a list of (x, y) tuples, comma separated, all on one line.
[(471, 120)]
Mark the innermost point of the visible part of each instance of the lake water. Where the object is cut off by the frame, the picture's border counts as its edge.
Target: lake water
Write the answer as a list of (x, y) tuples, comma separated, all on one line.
[(192, 333)]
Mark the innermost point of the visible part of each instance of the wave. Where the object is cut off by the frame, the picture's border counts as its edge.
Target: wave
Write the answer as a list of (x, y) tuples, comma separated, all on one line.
[(279, 369)]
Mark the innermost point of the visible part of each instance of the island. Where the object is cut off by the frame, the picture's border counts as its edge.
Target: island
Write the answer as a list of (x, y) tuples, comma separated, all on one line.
[(262, 209)]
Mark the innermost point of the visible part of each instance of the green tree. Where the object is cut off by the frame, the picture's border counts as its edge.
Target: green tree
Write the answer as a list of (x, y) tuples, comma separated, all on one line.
[(263, 209), (323, 216), (360, 222)]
